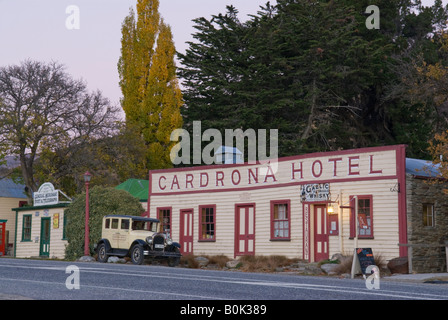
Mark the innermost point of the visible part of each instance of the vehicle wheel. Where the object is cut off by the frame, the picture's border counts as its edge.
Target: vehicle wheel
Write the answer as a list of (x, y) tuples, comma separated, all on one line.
[(102, 255), (137, 256), (174, 262)]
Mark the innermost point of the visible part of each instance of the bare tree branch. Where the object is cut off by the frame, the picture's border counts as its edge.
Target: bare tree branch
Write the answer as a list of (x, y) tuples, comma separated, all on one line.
[(41, 104)]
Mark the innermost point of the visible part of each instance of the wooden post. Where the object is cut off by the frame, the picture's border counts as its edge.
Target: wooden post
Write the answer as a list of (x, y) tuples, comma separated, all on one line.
[(340, 222), (446, 253)]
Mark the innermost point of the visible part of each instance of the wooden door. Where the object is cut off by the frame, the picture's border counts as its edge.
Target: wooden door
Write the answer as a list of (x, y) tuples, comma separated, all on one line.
[(244, 230), (45, 237), (186, 231), (321, 238), (2, 239)]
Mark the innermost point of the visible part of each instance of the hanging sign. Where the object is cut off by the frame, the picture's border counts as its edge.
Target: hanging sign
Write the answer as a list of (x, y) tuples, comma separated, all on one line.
[(315, 192), (56, 221)]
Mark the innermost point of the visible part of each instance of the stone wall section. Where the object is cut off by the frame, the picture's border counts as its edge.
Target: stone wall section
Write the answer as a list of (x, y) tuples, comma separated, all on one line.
[(420, 191)]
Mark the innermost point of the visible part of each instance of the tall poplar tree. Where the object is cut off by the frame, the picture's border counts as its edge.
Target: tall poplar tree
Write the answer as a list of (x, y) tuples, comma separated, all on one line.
[(151, 95)]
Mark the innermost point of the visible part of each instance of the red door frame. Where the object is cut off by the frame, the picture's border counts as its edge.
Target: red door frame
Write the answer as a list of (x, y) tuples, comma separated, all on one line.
[(249, 230), (321, 237), (186, 239), (3, 244)]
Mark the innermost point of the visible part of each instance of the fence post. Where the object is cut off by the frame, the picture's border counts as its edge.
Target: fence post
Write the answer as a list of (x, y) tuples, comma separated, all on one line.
[(446, 253)]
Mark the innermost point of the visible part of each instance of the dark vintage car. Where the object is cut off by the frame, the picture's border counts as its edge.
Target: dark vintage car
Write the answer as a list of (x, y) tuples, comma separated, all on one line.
[(136, 237)]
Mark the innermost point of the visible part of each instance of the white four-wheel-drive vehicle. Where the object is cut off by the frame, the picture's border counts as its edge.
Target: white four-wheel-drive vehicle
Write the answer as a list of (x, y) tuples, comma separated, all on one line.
[(137, 238)]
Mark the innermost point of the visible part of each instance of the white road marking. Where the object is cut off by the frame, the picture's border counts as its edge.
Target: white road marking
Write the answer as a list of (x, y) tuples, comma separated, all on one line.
[(233, 280)]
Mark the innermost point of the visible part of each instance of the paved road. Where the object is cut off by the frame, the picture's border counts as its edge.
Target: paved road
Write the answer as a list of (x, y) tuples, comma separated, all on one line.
[(51, 280)]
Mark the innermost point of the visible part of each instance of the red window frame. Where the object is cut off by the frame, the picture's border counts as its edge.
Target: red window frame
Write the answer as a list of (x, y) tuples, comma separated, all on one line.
[(279, 223), (207, 223), (365, 213), (164, 214)]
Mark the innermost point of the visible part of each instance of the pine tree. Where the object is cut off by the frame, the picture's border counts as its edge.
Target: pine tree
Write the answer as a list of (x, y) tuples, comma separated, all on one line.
[(152, 99), (314, 71)]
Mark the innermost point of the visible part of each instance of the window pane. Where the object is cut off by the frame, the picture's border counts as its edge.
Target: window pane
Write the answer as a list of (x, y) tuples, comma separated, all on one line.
[(207, 223), (165, 219), (125, 224), (26, 232), (364, 217), (428, 215), (280, 223)]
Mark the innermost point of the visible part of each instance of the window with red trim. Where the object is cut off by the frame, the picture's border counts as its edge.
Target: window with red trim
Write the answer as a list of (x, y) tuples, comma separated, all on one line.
[(364, 220), (280, 220), (207, 220)]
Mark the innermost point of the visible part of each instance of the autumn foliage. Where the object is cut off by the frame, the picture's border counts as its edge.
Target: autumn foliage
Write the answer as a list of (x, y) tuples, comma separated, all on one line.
[(151, 95)]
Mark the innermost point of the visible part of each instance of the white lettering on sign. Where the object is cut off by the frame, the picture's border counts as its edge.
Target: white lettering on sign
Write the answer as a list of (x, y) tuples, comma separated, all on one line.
[(46, 195), (315, 192)]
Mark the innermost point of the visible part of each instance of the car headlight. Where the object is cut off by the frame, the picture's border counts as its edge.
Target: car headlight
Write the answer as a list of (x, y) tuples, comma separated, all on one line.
[(169, 241), (149, 240)]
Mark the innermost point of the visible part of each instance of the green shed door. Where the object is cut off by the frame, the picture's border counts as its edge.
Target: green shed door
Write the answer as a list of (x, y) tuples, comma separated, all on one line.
[(45, 237)]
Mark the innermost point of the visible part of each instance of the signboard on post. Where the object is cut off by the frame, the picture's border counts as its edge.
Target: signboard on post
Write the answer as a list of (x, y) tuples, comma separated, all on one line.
[(47, 195)]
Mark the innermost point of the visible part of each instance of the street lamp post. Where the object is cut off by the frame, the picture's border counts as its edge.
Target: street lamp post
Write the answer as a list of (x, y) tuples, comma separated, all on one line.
[(87, 177)]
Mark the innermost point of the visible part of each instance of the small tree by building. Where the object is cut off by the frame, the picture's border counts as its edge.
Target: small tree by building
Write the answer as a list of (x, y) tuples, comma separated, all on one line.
[(439, 151), (103, 201)]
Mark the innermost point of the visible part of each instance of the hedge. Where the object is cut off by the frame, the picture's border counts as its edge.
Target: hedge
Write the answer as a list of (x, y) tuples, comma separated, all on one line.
[(103, 201)]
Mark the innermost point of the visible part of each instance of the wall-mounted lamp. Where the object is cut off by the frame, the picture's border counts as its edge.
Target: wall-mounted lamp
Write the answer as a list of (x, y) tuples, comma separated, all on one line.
[(330, 209)]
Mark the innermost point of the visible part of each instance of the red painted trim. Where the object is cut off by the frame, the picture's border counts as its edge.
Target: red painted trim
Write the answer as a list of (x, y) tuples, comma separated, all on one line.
[(288, 213), (182, 236), (305, 226), (326, 236), (352, 218), (158, 209), (306, 231), (402, 214), (237, 228), (333, 217), (200, 239), (147, 212)]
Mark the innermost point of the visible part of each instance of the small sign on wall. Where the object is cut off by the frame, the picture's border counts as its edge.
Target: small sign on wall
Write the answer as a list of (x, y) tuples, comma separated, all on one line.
[(56, 221), (333, 221), (315, 192)]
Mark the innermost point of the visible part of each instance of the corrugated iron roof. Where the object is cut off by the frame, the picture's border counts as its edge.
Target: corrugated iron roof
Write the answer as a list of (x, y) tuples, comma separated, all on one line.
[(10, 189), (422, 168), (136, 187)]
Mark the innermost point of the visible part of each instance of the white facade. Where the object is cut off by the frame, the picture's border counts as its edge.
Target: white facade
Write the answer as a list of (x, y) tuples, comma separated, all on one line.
[(40, 232), (282, 208)]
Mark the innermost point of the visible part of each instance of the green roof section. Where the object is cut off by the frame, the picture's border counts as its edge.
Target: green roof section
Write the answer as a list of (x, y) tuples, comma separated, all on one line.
[(136, 187)]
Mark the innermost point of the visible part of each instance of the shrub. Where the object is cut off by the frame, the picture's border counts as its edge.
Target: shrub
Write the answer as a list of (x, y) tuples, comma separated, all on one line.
[(219, 260), (346, 261), (263, 263), (188, 261), (102, 201)]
